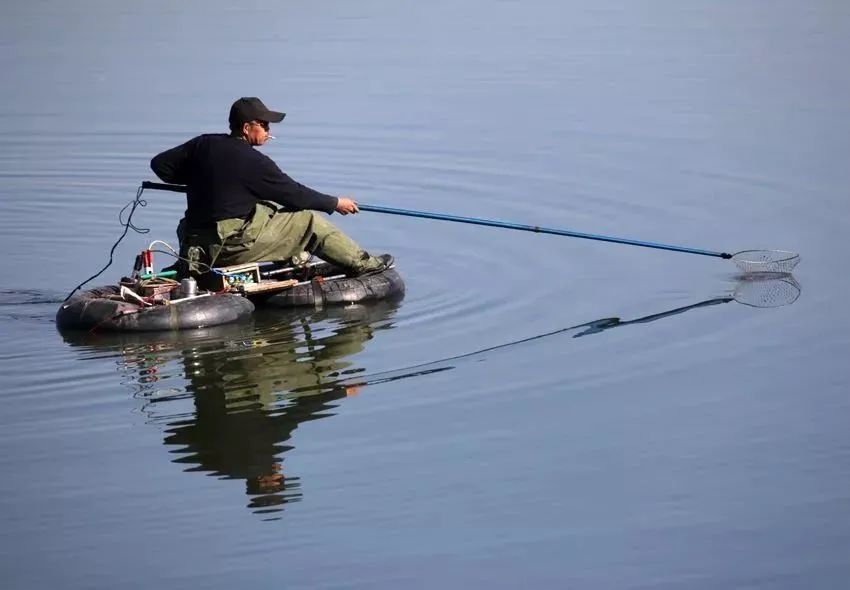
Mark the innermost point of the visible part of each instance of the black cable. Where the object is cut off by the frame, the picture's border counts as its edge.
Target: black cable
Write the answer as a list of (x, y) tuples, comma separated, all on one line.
[(137, 202)]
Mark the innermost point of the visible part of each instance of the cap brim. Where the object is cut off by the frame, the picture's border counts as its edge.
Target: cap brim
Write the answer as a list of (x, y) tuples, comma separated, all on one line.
[(273, 116)]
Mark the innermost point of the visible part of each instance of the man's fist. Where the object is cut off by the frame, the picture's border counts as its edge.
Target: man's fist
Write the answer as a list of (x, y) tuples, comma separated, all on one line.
[(345, 206)]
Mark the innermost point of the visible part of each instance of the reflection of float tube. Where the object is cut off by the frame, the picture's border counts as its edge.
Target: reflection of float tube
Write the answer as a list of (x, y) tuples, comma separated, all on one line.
[(241, 379)]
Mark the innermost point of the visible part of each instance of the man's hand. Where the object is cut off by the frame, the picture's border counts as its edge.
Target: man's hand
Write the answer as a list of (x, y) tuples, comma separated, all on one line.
[(345, 206)]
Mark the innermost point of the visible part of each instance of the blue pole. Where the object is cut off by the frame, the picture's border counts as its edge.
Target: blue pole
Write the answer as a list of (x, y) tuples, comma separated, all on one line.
[(489, 222), (538, 229)]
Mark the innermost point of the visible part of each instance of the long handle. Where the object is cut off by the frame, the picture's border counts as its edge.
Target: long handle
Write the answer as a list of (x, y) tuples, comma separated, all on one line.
[(161, 186), (489, 222), (538, 229)]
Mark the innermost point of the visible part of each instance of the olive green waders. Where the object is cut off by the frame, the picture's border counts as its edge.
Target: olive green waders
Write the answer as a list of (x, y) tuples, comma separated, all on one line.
[(272, 233)]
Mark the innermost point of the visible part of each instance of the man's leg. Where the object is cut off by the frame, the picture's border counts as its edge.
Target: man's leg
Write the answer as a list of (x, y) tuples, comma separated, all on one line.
[(279, 235), (331, 244), (193, 252)]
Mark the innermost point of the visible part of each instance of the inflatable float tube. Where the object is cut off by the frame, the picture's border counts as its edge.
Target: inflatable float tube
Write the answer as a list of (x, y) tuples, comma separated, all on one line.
[(100, 309), (322, 291)]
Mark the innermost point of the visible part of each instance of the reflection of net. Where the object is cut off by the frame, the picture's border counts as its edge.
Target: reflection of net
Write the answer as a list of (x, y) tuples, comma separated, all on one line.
[(766, 260), (766, 290)]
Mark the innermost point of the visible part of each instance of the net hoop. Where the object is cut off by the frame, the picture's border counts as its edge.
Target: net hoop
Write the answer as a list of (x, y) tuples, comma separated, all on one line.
[(770, 261)]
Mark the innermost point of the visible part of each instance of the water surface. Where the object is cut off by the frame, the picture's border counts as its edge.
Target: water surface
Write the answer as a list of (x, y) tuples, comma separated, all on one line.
[(538, 410)]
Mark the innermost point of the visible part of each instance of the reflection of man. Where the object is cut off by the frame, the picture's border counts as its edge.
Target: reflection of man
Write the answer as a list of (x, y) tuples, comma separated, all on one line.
[(249, 402)]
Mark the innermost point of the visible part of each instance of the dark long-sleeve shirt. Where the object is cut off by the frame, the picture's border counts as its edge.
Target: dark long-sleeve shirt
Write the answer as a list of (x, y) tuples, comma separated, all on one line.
[(225, 177)]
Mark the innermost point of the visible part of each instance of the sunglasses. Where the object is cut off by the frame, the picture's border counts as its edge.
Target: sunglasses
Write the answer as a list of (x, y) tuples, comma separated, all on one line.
[(263, 124)]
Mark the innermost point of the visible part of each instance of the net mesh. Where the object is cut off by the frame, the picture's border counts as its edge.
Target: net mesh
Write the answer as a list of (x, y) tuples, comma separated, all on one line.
[(766, 290), (776, 261)]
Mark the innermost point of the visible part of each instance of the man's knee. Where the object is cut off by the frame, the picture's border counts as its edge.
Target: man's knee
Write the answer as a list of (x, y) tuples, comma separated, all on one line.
[(321, 226)]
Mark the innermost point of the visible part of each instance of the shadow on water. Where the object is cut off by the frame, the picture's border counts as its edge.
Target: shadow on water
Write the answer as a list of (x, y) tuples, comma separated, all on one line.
[(251, 386), (242, 383), (760, 290)]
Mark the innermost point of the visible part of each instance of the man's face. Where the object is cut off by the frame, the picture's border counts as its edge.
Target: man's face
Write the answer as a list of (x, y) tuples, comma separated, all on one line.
[(256, 132)]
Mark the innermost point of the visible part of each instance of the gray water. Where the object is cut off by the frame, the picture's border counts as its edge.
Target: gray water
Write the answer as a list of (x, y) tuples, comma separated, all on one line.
[(465, 436)]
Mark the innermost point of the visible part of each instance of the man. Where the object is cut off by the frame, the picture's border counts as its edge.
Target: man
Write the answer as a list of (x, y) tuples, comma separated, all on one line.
[(242, 208)]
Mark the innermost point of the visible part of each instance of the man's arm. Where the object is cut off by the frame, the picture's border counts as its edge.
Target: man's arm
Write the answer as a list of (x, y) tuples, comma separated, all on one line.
[(273, 185), (172, 165)]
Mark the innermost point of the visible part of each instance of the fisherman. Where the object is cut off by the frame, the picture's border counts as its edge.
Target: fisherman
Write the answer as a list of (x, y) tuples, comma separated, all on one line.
[(242, 208)]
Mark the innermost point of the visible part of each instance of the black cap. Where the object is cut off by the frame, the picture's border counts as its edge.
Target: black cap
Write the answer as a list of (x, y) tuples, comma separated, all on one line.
[(251, 108)]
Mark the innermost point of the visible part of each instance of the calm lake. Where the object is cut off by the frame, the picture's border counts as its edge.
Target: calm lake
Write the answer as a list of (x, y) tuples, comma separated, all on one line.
[(538, 411)]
